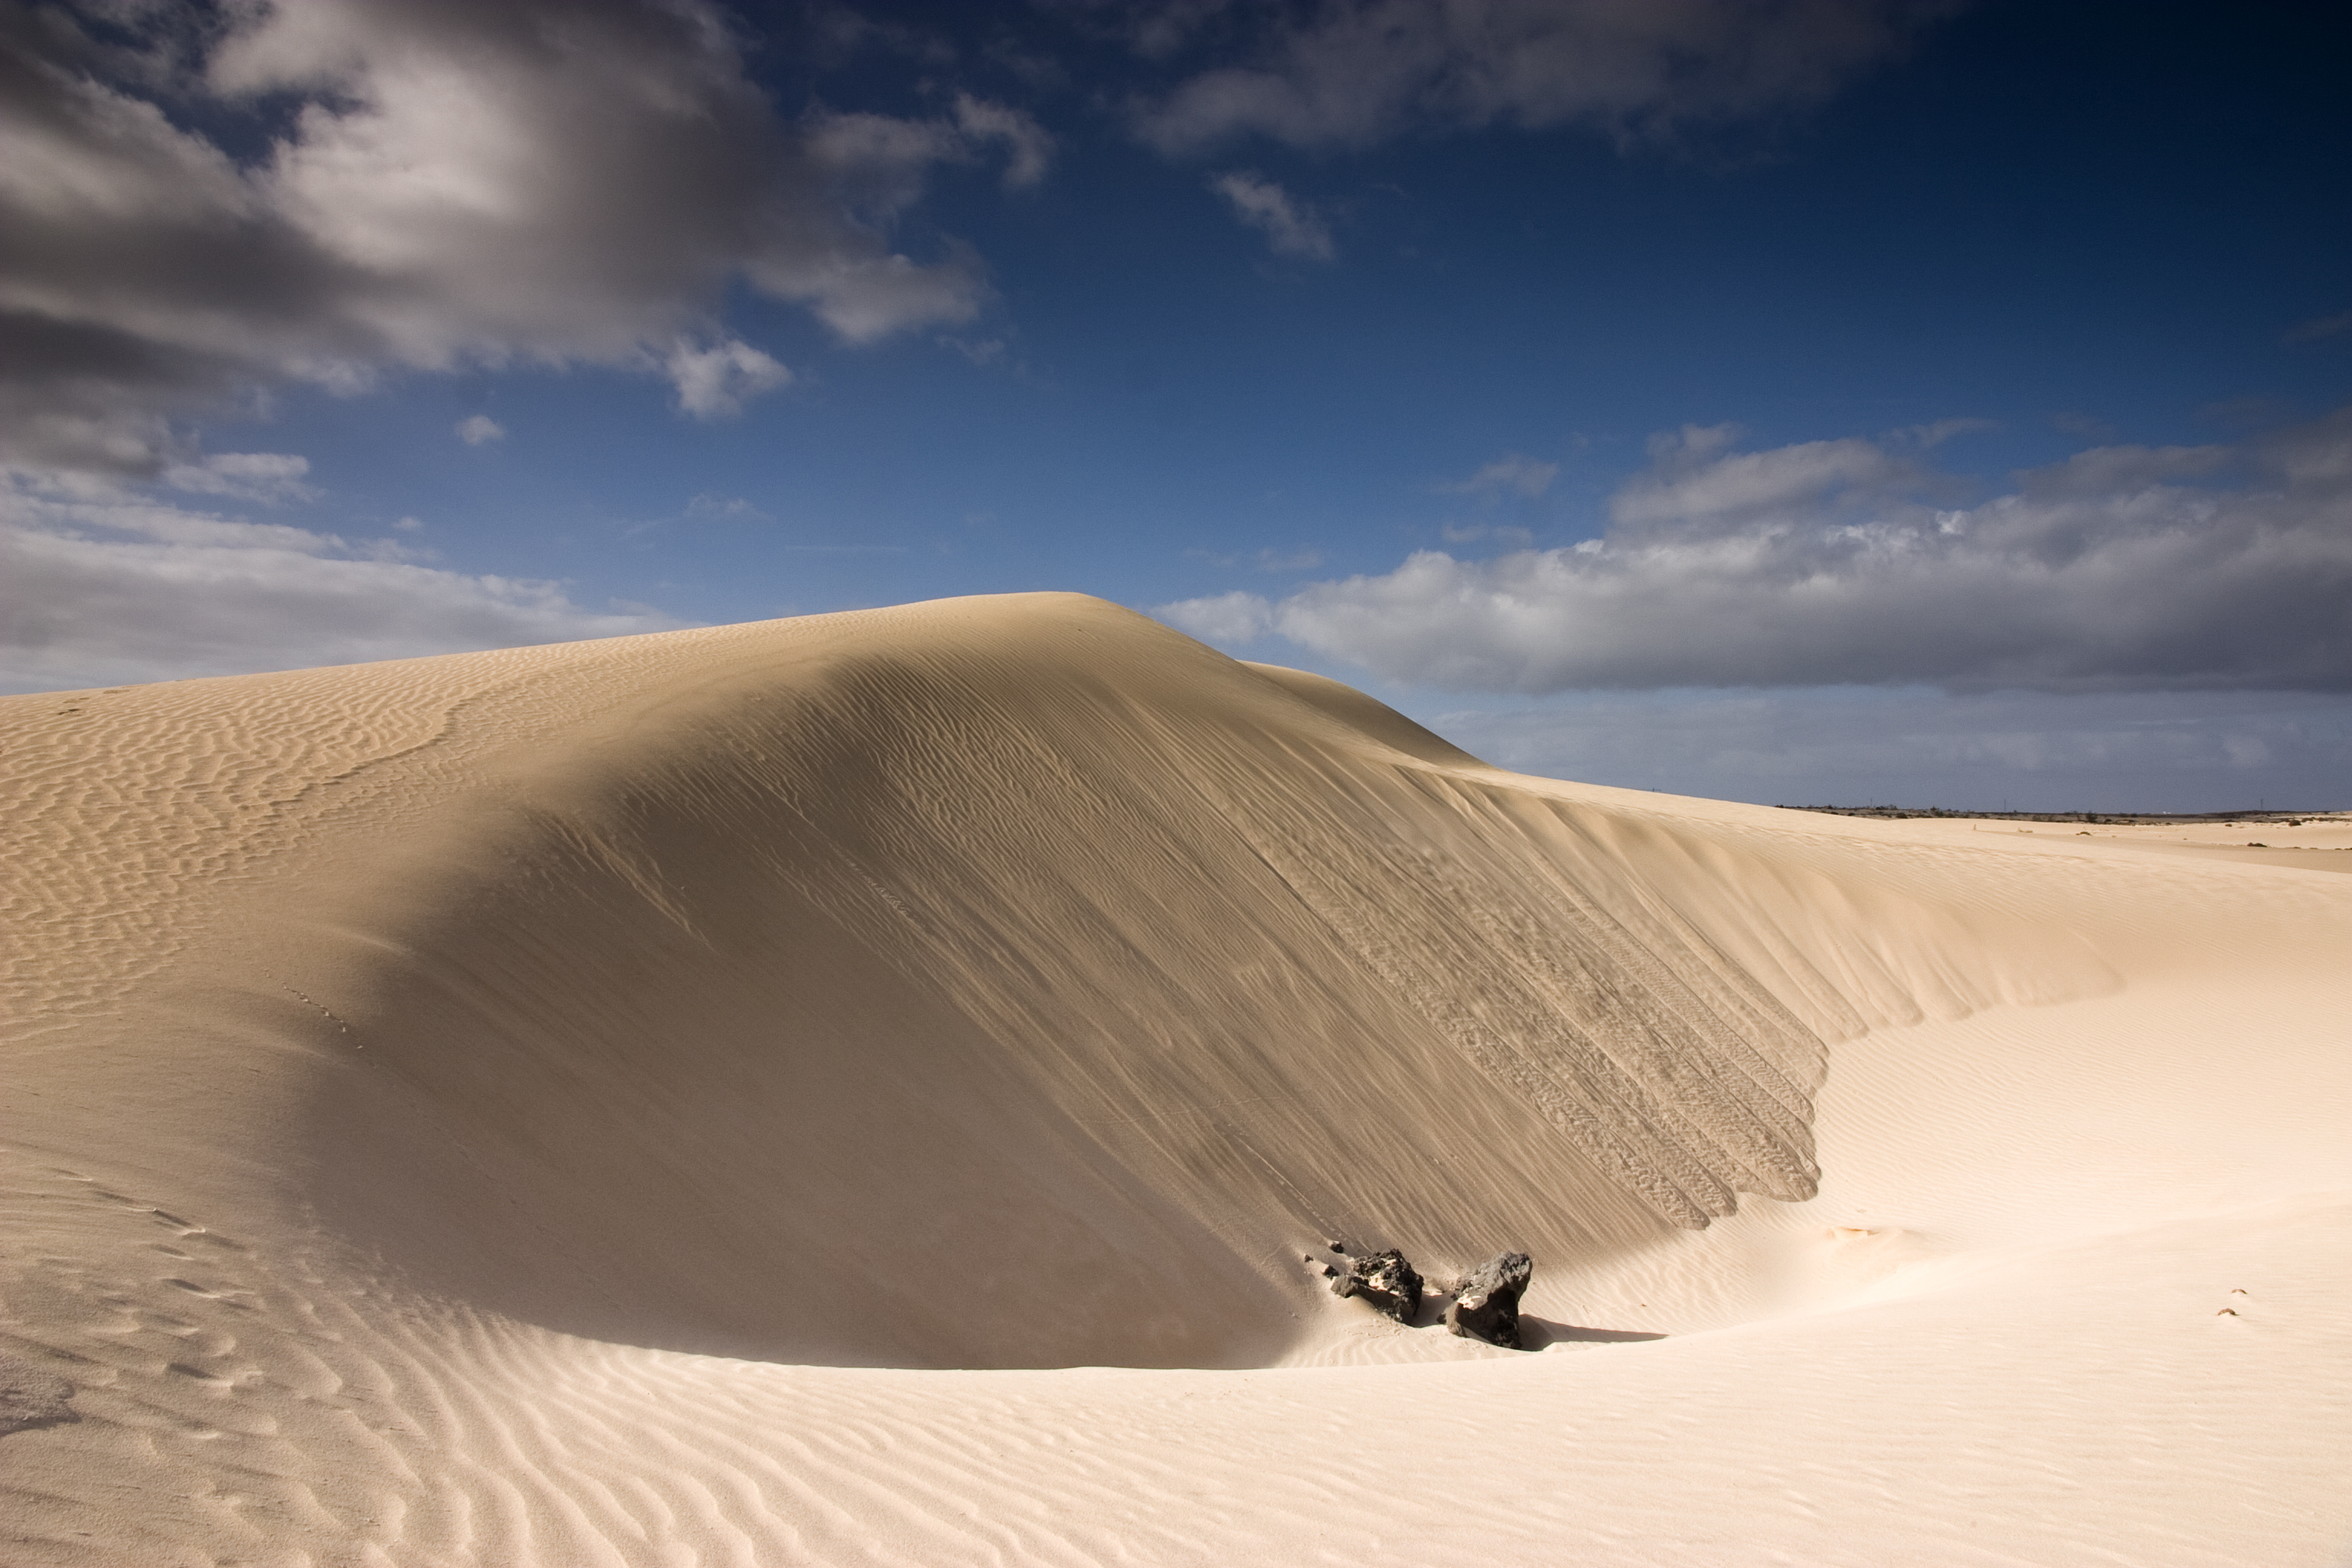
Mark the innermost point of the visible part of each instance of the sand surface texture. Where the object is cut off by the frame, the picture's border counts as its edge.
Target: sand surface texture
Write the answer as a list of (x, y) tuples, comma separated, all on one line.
[(858, 1090)]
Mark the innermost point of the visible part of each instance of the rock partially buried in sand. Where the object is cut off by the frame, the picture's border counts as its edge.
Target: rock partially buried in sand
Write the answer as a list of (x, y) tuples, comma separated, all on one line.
[(1385, 1280), (1488, 1306)]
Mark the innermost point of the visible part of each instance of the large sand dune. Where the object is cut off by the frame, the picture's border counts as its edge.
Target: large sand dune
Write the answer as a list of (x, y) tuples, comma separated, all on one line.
[(858, 1089)]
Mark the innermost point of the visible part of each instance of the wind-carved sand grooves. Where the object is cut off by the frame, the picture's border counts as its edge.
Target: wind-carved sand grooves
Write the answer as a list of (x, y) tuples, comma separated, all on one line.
[(680, 1098)]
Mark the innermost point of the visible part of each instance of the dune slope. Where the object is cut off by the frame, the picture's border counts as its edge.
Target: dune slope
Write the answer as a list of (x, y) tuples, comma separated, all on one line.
[(643, 1100)]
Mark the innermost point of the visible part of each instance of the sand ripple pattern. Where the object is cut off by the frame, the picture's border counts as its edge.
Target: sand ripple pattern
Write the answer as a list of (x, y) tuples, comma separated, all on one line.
[(235, 1405), (1495, 918), (1667, 1065)]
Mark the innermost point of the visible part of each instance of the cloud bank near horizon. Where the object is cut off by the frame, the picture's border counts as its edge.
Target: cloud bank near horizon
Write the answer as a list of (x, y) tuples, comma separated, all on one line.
[(1844, 563), (2141, 751), (109, 587)]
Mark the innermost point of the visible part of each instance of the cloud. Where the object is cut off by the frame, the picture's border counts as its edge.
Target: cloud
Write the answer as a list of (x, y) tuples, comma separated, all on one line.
[(1291, 227), (2035, 752), (1355, 72), (715, 381), (2089, 427), (424, 186), (1522, 476), (1234, 619), (114, 589), (480, 429), (877, 164), (1029, 150), (1471, 532), (1829, 561), (1304, 559), (2319, 327), (1694, 481), (246, 476), (981, 352)]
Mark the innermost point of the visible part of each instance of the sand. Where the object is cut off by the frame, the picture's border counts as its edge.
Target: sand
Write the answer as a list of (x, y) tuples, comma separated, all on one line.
[(858, 1089)]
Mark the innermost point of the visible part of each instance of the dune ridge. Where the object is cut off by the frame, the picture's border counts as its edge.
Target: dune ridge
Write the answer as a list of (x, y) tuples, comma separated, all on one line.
[(648, 1100)]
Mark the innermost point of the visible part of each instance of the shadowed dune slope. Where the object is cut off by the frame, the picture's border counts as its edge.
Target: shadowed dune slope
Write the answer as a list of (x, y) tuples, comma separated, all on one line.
[(1017, 990)]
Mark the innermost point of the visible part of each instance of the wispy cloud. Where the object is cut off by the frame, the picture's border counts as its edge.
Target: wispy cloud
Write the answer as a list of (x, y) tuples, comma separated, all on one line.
[(1290, 226), (2318, 327), (481, 430), (246, 476), (1353, 72), (1508, 475), (1477, 533), (1833, 562), (1305, 557)]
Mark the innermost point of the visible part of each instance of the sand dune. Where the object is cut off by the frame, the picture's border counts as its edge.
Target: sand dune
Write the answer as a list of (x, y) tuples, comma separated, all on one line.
[(858, 1089)]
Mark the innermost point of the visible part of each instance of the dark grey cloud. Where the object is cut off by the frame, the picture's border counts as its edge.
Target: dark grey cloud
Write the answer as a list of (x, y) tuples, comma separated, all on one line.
[(1354, 72), (434, 184), (1833, 562)]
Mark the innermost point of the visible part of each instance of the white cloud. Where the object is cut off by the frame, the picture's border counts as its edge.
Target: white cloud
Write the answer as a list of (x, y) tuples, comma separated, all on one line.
[(715, 381), (1513, 473), (1231, 619), (865, 297), (480, 429), (1290, 226), (446, 186), (1353, 72), (1828, 562), (246, 476), (110, 590), (1693, 479)]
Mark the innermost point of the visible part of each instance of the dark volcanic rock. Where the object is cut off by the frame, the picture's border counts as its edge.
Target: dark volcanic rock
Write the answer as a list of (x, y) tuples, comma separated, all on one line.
[(1386, 1280), (1488, 1306)]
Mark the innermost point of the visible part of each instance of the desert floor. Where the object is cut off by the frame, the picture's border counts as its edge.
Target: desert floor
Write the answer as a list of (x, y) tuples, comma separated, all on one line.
[(863, 1088)]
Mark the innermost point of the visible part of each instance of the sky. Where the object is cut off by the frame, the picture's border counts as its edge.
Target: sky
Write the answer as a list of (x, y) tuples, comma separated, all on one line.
[(1792, 401)]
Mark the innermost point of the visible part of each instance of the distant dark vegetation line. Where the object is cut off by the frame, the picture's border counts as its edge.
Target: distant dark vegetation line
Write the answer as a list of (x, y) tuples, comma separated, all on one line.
[(2113, 818)]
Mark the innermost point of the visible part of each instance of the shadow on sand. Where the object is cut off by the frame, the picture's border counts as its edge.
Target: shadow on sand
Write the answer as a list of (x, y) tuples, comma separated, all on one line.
[(1536, 1333)]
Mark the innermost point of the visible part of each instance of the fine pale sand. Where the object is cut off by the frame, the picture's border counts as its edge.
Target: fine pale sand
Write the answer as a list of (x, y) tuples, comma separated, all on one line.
[(858, 1089)]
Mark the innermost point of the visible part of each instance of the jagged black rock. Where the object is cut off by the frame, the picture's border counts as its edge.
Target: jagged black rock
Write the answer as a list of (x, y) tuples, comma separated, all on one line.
[(1486, 1307), (1385, 1280)]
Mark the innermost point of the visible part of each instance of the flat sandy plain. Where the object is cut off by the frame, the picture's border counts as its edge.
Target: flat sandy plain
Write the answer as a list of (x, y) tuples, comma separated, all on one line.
[(858, 1089)]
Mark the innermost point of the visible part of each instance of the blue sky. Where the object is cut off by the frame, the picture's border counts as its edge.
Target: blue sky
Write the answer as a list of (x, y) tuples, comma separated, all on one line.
[(1822, 401)]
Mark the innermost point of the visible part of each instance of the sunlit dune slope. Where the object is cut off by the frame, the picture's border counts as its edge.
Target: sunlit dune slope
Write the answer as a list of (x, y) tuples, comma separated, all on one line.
[(990, 983)]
